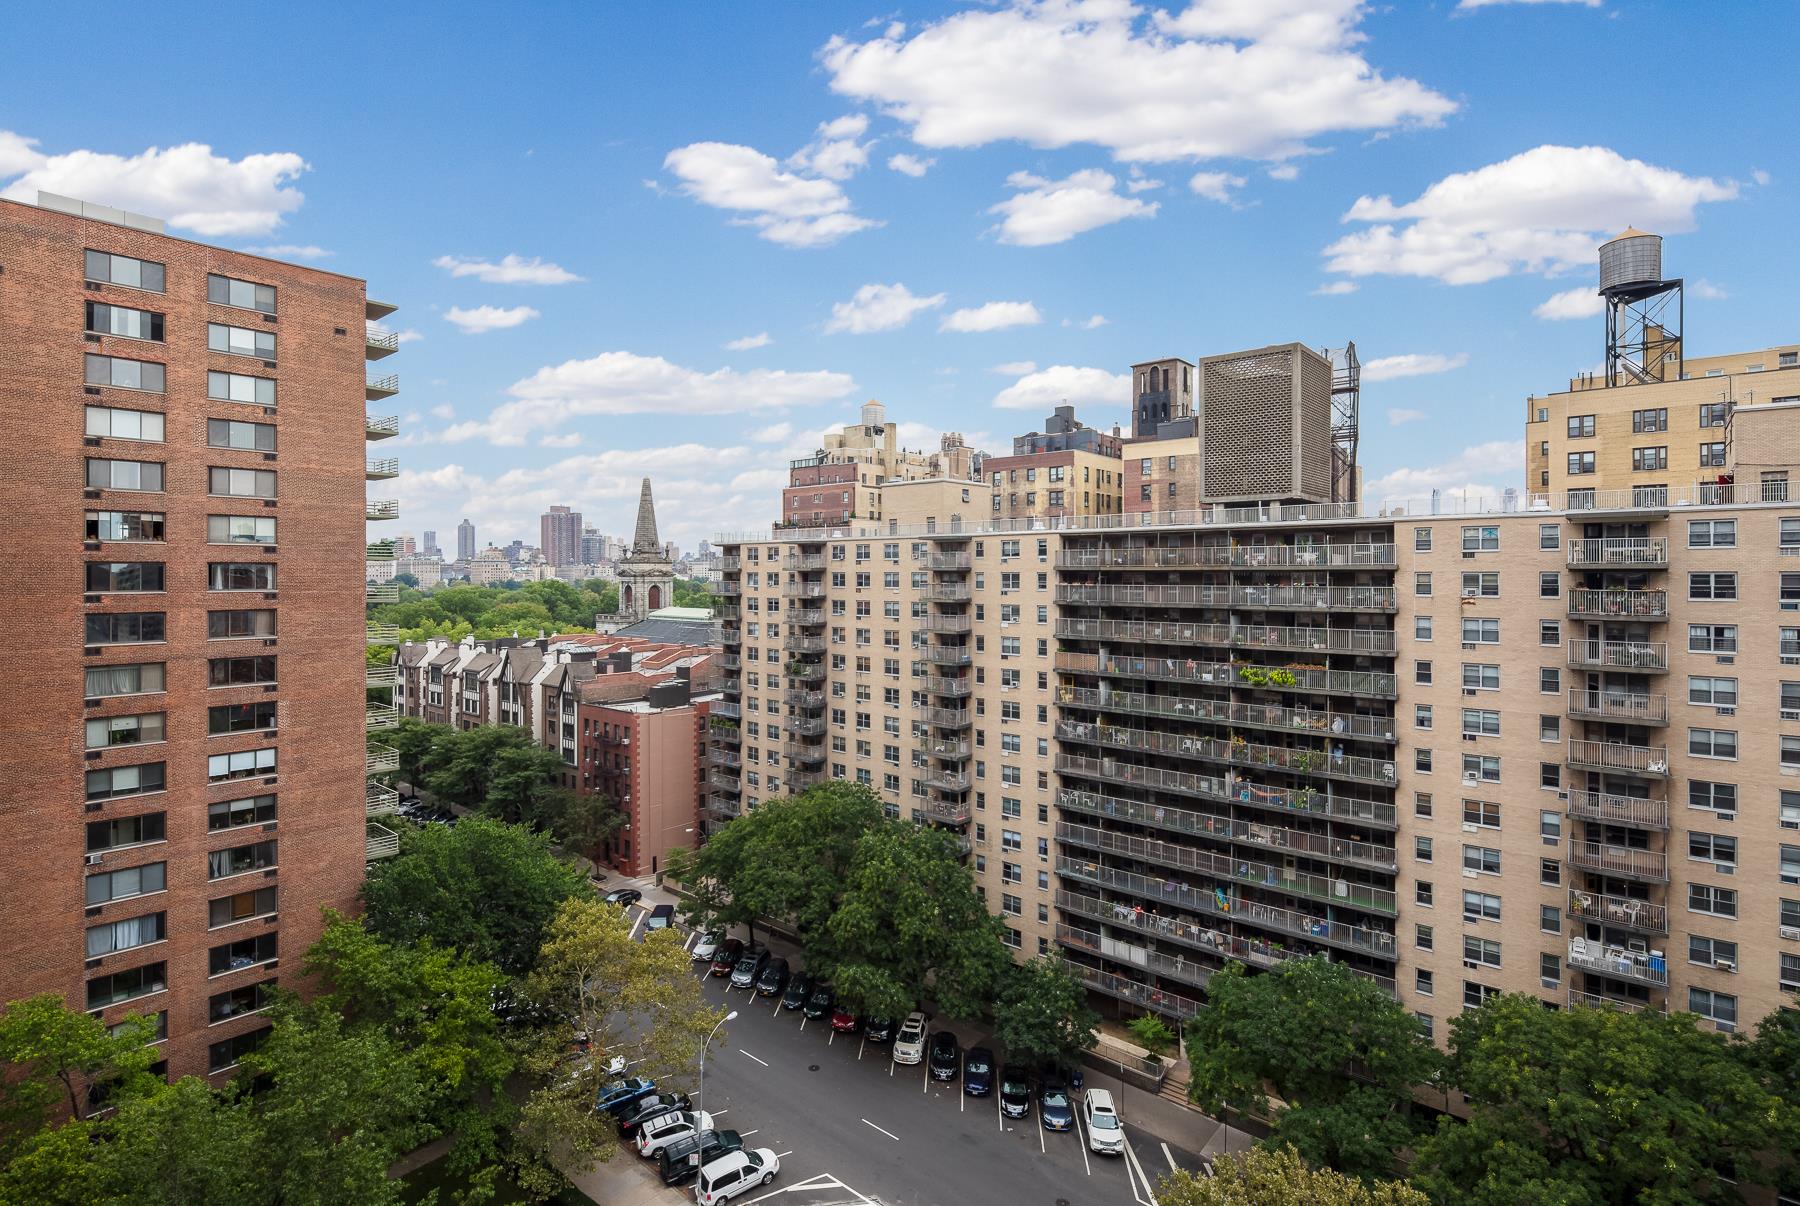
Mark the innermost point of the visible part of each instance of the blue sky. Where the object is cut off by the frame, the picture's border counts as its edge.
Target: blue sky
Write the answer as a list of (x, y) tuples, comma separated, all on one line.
[(851, 188)]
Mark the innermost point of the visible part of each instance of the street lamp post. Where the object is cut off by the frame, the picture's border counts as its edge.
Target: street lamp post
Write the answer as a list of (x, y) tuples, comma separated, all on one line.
[(701, 1094)]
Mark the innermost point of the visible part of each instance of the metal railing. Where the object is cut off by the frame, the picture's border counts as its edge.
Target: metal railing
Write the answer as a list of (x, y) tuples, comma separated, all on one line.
[(1611, 756), (1378, 642), (946, 812), (377, 593), (947, 781), (1586, 603), (1619, 655), (1174, 967), (796, 642), (948, 624), (1625, 911), (1252, 833), (1619, 860), (952, 687), (807, 672), (380, 716), (382, 842), (944, 655), (1616, 551), (1277, 598), (947, 592), (382, 387), (382, 550), (381, 759), (806, 616), (376, 677), (948, 561), (1323, 555), (939, 748), (1230, 789), (730, 565), (383, 508), (1236, 751), (806, 726), (720, 781), (729, 588), (380, 341), (379, 801), (1594, 1000), (946, 718), (1218, 711), (1628, 709), (1160, 1000), (1618, 962), (805, 561), (803, 590), (721, 756), (381, 467), (802, 698), (726, 708), (1609, 809), (1379, 683), (382, 634)]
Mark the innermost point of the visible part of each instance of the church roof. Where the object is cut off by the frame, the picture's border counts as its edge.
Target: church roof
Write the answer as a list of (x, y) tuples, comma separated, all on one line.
[(644, 542)]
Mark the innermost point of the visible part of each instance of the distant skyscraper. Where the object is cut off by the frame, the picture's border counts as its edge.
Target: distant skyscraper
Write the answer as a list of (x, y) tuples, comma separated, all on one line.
[(560, 536), (465, 541), (431, 548), (408, 546), (593, 546)]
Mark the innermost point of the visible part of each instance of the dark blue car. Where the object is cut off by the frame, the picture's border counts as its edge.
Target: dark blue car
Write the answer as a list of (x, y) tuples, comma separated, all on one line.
[(978, 1072), (1055, 1107), (620, 1095)]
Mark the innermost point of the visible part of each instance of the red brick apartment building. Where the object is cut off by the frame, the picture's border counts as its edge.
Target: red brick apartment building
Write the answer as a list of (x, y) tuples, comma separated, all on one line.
[(182, 783)]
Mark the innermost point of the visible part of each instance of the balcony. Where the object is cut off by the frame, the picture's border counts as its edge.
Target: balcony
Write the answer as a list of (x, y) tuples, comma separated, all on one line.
[(381, 759), (1156, 999), (1623, 911), (1376, 683), (1273, 598), (1637, 552), (1237, 751), (955, 688), (380, 801), (807, 672), (1623, 861), (731, 589), (1648, 605), (382, 634), (380, 388), (731, 661), (1625, 759), (1608, 809), (1323, 555), (722, 730), (381, 468), (950, 750), (946, 718), (722, 806), (806, 616), (948, 561), (1225, 829), (1377, 642), (1646, 656), (947, 781), (374, 310), (731, 564), (377, 593), (727, 709), (380, 677), (947, 592), (383, 508), (1230, 789), (795, 642), (804, 590), (1622, 707), (808, 562), (807, 726), (731, 636), (946, 624), (799, 781), (1243, 715), (1591, 1000), (724, 757), (380, 716), (379, 343), (382, 842), (1641, 967), (946, 812), (382, 550), (944, 655), (803, 699), (723, 781)]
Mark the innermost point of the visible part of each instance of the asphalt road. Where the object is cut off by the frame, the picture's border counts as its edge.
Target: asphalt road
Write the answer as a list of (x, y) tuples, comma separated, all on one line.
[(851, 1126)]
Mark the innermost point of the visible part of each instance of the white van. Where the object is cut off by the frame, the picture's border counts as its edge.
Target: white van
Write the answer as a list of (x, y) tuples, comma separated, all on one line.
[(658, 1133), (1106, 1134), (735, 1173)]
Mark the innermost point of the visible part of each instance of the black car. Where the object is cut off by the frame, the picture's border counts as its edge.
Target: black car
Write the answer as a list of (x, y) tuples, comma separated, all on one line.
[(726, 957), (653, 1106), (681, 1161), (1056, 1109), (820, 1003), (943, 1055), (661, 918), (978, 1072), (879, 1030), (774, 978), (623, 897), (798, 989), (1015, 1093)]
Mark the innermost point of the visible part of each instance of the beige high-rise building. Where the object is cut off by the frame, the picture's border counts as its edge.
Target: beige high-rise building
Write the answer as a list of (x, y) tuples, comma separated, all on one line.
[(843, 481)]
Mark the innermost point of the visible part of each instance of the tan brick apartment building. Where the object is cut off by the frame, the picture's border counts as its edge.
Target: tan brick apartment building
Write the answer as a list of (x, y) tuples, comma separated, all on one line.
[(843, 481), (1518, 750), (183, 430)]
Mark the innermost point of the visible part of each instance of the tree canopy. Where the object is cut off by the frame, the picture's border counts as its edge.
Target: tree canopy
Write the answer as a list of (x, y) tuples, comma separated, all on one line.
[(454, 612), (1267, 1176), (1042, 1012)]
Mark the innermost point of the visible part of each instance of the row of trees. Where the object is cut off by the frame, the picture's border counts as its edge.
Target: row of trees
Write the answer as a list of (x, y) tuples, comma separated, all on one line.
[(1580, 1107), (526, 608), (887, 912), (451, 1009)]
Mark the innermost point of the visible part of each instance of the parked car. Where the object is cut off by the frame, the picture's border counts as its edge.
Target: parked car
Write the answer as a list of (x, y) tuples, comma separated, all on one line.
[(726, 957), (706, 946), (1055, 1109), (654, 1106), (620, 1096), (879, 1030), (773, 979), (845, 1022), (1015, 1093), (733, 1174), (679, 1162), (657, 1133), (978, 1072), (799, 991), (661, 918), (821, 1001), (943, 1056), (623, 897), (909, 1044), (409, 799), (750, 965), (1106, 1133)]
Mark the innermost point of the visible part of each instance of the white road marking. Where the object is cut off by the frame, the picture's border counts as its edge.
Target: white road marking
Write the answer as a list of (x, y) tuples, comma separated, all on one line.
[(747, 1134), (860, 1046), (747, 1055), (1042, 1150), (1149, 1196), (719, 1113), (803, 1021), (777, 1012), (688, 945), (1167, 1155), (832, 1037), (1081, 1138), (883, 1130), (783, 1155), (999, 1114), (638, 921)]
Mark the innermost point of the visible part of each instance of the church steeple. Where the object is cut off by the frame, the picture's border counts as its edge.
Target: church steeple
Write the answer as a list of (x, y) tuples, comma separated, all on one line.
[(645, 541)]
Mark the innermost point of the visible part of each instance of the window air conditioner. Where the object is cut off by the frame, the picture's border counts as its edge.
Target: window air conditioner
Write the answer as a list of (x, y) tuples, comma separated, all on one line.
[(93, 860)]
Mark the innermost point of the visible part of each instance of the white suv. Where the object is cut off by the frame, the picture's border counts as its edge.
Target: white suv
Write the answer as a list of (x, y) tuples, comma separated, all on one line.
[(909, 1044), (735, 1173), (658, 1133), (1106, 1134)]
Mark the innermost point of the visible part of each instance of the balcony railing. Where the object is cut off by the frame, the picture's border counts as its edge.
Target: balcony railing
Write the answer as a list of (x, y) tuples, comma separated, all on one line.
[(1274, 598), (382, 387), (379, 676), (1226, 829), (1588, 604), (726, 708), (382, 842), (722, 781), (803, 590), (1594, 1000), (1619, 655), (377, 593), (1377, 683), (795, 642), (379, 801), (948, 561), (801, 754), (1237, 752), (949, 624), (939, 748), (806, 616), (731, 661), (380, 428), (947, 592), (1219, 711), (379, 342), (1173, 967), (1649, 551), (807, 726), (945, 812), (1159, 1000), (1229, 789), (1378, 642), (1616, 961), (381, 759), (1624, 911), (382, 550), (801, 698), (954, 688), (946, 718), (947, 781), (1608, 756), (1609, 809), (806, 672), (730, 565), (381, 468), (1625, 708), (720, 756), (1272, 556), (722, 806), (380, 716), (383, 508), (383, 634), (808, 561), (1620, 860), (944, 655)]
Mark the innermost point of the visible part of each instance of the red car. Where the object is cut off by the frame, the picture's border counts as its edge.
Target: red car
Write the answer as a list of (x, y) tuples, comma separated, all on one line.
[(845, 1022), (726, 957)]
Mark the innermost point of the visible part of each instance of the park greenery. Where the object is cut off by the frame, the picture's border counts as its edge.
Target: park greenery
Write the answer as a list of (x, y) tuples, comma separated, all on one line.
[(511, 608), (1279, 1176)]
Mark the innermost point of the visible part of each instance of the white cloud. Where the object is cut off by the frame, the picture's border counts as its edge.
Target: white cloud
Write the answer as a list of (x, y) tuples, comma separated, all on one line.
[(1707, 291), (834, 152), (291, 251), (1759, 176), (1223, 78), (410, 335), (622, 383), (510, 270), (994, 316), (774, 433), (188, 185), (910, 165), (759, 340), (1285, 171), (1480, 471), (1544, 211), (1044, 211), (1580, 302), (482, 319), (1398, 415), (568, 439), (878, 308), (1016, 368), (1138, 182), (1412, 364), (1047, 388), (1092, 322), (783, 207), (1335, 289), (444, 411), (1215, 186), (1470, 5)]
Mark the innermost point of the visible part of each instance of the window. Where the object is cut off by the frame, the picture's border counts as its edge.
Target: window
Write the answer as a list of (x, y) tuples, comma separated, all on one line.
[(241, 718), (124, 475), (1424, 983), (104, 733), (124, 525), (1550, 633), (1549, 584), (1715, 797), (1476, 995), (1790, 864), (119, 781), (1581, 462), (1713, 901), (126, 883), (1480, 539), (240, 341), (1714, 587), (1422, 893), (1424, 937), (246, 295), (1712, 533), (102, 681), (1484, 768), (1712, 456), (241, 575), (246, 764), (1422, 585), (121, 832), (1422, 716), (246, 952), (1550, 775), (110, 422), (231, 433), (1549, 680), (123, 576), (1712, 692), (1550, 919), (1549, 728), (1421, 628), (231, 814), (241, 483), (233, 625), (1713, 848), (1422, 673), (117, 372), (1712, 414), (1485, 813), (1712, 743), (1581, 427), (116, 936), (1721, 1007), (1422, 849), (1482, 859), (1422, 761), (1790, 532), (240, 529), (239, 1001), (1480, 722), (1711, 951), (1422, 540), (124, 270), (126, 985), (1486, 586), (1549, 536), (1643, 421), (1712, 638), (1650, 458), (240, 671), (237, 860), (1483, 951), (1480, 632), (1481, 906), (124, 628), (1481, 677)]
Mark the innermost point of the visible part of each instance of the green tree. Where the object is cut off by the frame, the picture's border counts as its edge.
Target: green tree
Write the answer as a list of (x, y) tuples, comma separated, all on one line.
[(1342, 1055), (406, 579), (415, 741), (52, 1054), (462, 764), (1042, 1013), (1279, 1177), (1773, 1056), (581, 821), (523, 783), (1152, 1033), (182, 1145), (635, 999), (482, 888), (1592, 1107)]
